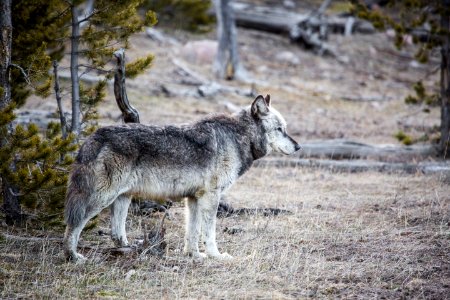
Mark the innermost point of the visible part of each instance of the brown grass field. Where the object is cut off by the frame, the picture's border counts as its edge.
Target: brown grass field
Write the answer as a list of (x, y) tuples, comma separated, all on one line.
[(359, 235)]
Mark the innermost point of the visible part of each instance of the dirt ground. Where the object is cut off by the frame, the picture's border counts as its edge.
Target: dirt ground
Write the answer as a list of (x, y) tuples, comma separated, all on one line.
[(365, 235)]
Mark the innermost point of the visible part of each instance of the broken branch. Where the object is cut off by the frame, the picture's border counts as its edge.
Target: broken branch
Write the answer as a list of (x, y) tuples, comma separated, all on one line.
[(130, 114)]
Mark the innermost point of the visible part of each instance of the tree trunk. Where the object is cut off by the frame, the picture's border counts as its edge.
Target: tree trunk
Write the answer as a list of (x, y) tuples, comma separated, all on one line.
[(444, 144), (6, 39), (62, 116), (227, 64), (11, 204), (75, 40)]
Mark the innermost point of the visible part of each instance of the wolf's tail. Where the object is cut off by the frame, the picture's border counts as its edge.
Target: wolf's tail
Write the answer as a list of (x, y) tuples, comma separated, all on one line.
[(78, 194)]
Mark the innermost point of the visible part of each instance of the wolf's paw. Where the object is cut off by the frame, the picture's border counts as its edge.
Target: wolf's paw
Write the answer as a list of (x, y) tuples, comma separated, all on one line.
[(76, 258), (200, 255), (223, 256), (123, 244), (195, 254), (120, 242)]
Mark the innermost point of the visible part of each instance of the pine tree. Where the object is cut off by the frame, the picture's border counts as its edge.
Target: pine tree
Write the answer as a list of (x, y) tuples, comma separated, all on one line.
[(34, 164), (36, 28), (31, 162)]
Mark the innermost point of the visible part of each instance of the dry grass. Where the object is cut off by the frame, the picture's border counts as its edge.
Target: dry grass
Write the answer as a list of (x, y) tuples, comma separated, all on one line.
[(350, 235)]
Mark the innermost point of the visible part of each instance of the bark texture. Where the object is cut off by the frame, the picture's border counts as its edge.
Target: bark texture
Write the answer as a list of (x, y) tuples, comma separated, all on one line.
[(11, 205), (5, 51), (75, 41), (62, 117)]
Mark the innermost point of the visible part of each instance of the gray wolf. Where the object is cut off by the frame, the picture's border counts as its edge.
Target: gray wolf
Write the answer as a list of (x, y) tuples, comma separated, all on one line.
[(197, 162)]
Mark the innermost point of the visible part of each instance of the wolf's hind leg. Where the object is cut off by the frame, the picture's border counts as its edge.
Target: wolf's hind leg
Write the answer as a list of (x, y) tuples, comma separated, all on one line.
[(192, 229), (71, 238), (119, 211), (79, 211), (72, 235), (208, 205)]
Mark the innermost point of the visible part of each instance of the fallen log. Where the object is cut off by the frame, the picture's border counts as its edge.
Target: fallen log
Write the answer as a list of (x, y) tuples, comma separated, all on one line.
[(347, 149), (357, 166), (279, 20)]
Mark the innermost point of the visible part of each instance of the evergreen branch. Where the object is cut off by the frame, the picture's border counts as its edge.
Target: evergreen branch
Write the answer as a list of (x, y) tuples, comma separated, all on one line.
[(93, 13), (27, 78), (94, 49), (86, 18), (59, 15), (91, 67)]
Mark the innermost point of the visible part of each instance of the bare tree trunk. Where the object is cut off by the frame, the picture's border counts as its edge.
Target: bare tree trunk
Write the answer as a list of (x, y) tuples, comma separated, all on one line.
[(227, 64), (129, 113), (11, 205), (444, 144), (5, 51), (62, 117), (75, 40)]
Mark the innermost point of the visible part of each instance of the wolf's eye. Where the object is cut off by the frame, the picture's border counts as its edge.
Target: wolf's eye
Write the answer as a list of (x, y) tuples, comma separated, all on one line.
[(280, 129)]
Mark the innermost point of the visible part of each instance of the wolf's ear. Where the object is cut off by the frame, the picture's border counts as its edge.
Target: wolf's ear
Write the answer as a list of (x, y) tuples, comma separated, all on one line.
[(259, 107), (267, 100)]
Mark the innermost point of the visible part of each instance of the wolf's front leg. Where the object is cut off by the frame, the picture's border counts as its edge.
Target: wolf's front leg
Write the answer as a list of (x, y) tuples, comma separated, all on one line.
[(119, 211), (208, 205), (193, 224)]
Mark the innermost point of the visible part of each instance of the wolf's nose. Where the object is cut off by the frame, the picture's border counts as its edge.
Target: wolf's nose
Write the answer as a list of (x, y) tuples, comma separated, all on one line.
[(297, 147)]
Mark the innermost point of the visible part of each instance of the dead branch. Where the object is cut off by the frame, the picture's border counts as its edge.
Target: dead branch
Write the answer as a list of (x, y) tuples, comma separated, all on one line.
[(24, 74), (226, 210), (130, 114)]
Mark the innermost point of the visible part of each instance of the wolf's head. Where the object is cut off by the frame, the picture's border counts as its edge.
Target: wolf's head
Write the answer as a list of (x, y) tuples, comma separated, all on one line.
[(273, 126)]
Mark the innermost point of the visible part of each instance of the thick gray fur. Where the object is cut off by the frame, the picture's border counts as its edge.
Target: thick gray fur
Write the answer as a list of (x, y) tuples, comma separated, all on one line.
[(196, 162)]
